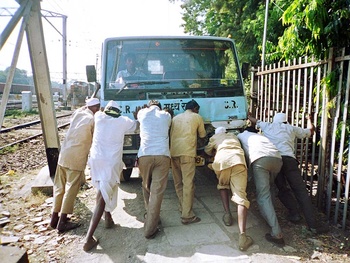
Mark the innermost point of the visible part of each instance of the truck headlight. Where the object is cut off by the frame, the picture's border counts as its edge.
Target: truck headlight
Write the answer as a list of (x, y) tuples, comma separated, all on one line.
[(127, 140)]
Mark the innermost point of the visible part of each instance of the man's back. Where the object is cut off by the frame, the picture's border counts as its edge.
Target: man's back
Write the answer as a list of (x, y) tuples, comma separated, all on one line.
[(283, 135), (77, 143), (256, 146), (183, 135), (154, 131)]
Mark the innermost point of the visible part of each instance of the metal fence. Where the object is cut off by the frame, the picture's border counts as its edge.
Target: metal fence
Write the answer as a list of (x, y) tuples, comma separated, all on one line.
[(301, 87)]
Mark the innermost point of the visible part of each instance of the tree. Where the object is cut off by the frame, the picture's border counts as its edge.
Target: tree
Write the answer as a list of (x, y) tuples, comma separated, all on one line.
[(240, 20), (20, 77), (314, 26), (295, 27)]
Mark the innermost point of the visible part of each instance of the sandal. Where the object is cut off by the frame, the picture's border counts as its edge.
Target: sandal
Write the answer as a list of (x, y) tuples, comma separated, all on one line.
[(244, 242), (68, 226), (277, 241), (154, 234), (109, 223), (191, 220), (90, 244), (228, 219)]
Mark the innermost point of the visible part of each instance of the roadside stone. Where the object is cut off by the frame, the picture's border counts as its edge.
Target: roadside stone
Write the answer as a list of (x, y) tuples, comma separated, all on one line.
[(289, 249), (18, 228), (36, 219), (30, 237), (8, 239), (6, 213)]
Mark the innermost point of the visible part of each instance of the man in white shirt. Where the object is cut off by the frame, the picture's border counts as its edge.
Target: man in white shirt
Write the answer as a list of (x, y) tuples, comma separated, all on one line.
[(154, 161), (283, 136), (131, 72), (106, 164), (265, 162)]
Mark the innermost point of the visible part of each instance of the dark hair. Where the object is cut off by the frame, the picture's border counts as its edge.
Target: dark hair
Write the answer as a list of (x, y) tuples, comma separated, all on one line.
[(155, 102), (130, 55), (192, 105), (252, 129)]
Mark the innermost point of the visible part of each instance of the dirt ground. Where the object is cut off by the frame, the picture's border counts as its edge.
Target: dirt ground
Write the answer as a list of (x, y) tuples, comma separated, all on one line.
[(24, 218), (29, 216)]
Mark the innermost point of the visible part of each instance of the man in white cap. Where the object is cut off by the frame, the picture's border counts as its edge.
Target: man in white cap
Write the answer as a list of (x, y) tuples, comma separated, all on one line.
[(106, 164), (283, 136), (71, 164), (230, 168)]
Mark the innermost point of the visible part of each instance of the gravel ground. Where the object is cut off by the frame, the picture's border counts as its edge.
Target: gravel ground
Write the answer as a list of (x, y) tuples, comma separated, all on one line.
[(29, 215)]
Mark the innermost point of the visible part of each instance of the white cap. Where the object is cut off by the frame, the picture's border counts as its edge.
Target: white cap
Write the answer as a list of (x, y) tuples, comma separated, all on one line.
[(220, 130), (92, 102), (113, 104), (280, 118)]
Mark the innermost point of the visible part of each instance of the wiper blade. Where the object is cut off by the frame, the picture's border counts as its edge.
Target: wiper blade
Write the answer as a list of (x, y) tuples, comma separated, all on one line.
[(145, 82)]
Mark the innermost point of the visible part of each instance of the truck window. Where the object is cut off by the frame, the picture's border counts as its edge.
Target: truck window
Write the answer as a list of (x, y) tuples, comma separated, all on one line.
[(206, 66), (173, 70)]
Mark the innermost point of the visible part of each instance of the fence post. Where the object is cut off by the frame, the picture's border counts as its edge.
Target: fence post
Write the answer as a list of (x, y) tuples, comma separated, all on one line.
[(324, 163)]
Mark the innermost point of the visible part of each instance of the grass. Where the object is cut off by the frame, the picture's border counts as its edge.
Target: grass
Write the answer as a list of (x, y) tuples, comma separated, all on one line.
[(14, 113), (9, 149)]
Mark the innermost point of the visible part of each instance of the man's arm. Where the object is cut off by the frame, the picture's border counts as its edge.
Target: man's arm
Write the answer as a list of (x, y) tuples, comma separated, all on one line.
[(310, 125), (252, 120)]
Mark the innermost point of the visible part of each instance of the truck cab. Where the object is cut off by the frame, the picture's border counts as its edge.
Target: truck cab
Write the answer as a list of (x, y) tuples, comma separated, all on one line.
[(173, 70)]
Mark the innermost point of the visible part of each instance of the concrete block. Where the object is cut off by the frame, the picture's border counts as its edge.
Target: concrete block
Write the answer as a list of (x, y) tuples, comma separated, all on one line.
[(43, 182), (13, 255)]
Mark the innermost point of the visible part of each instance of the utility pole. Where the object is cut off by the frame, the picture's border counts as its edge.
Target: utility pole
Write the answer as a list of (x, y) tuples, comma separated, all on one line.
[(46, 14), (264, 36), (31, 9)]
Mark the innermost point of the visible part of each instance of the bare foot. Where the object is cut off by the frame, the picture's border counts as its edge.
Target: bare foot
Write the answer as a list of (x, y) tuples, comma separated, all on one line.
[(90, 244)]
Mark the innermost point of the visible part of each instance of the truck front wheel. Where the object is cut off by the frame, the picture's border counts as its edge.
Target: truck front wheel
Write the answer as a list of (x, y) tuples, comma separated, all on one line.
[(126, 174)]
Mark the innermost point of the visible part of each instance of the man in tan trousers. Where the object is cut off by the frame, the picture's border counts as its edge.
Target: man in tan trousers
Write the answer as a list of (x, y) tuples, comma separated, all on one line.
[(71, 164), (183, 149), (230, 168)]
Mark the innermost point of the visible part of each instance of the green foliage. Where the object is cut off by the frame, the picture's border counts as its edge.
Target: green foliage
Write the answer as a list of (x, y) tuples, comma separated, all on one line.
[(313, 27), (9, 149), (20, 77), (242, 21), (14, 113), (295, 27)]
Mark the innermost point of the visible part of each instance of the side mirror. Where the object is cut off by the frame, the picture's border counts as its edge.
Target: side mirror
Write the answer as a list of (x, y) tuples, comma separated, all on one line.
[(91, 73), (245, 70)]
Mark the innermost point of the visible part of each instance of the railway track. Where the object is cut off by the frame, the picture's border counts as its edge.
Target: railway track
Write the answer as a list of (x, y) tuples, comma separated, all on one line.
[(27, 131)]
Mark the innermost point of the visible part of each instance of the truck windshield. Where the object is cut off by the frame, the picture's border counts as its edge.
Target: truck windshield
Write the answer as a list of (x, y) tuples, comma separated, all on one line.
[(170, 68)]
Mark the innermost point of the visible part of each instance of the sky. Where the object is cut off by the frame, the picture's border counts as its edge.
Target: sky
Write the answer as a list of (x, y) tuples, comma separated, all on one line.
[(89, 22)]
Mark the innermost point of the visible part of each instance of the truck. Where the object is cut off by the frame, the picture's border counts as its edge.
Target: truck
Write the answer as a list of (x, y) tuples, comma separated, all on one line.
[(173, 70)]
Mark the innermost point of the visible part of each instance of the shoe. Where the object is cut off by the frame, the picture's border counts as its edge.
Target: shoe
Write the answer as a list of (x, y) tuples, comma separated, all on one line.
[(277, 241), (159, 221), (228, 219), (294, 218), (90, 244), (244, 242), (321, 229), (67, 226), (190, 220), (109, 223), (154, 234)]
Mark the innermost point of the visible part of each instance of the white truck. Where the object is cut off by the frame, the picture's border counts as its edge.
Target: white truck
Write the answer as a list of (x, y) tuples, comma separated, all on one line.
[(174, 70)]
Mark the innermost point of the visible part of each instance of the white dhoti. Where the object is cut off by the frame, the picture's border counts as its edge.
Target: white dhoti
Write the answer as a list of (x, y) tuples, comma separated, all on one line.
[(109, 193), (105, 161), (106, 178)]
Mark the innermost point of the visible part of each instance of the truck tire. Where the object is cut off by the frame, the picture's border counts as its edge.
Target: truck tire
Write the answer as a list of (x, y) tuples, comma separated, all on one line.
[(126, 174)]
